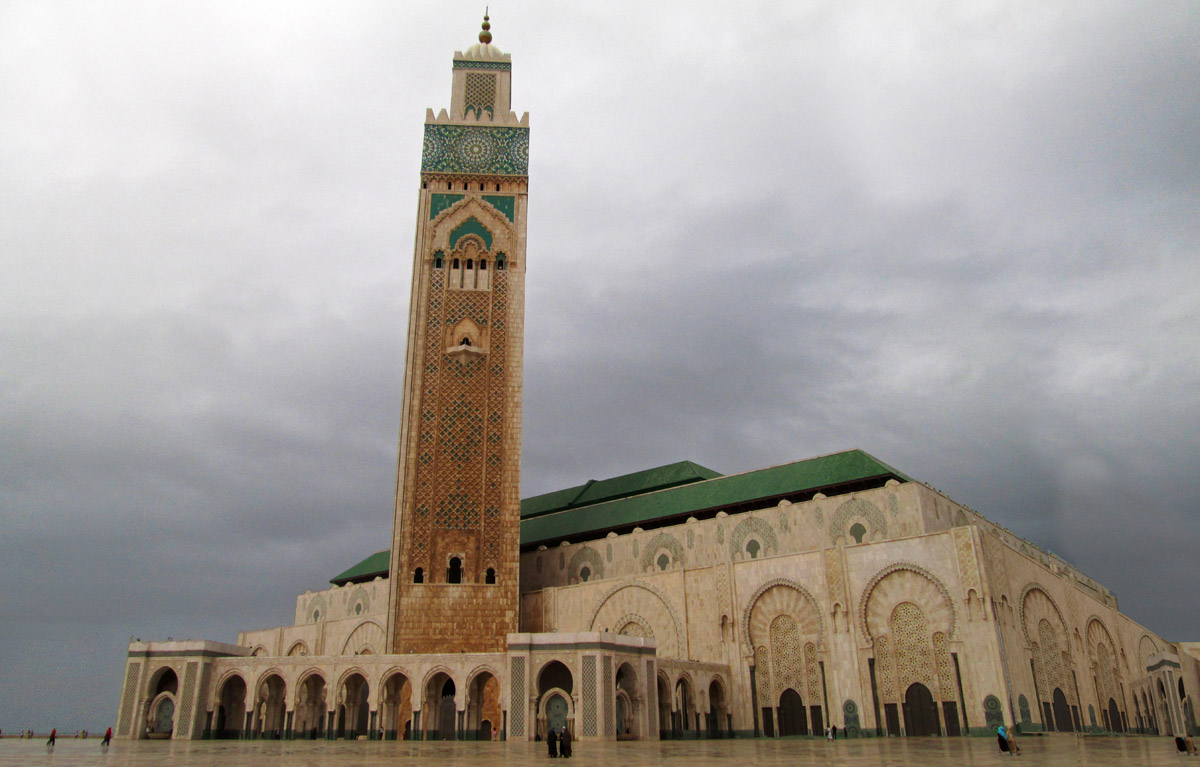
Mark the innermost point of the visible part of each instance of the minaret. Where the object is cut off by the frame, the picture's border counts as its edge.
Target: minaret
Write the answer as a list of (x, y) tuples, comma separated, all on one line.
[(456, 532)]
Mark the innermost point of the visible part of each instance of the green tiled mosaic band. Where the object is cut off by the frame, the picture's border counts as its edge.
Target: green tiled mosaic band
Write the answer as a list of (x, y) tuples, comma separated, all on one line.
[(476, 149), (503, 66)]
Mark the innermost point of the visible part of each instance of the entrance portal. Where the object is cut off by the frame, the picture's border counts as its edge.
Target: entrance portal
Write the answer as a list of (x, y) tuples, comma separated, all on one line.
[(1062, 712), (791, 714), (920, 712)]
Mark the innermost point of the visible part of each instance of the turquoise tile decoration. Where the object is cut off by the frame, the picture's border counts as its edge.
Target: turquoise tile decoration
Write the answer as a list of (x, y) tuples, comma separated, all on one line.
[(499, 151), (505, 203), (503, 66), (440, 201), (471, 226)]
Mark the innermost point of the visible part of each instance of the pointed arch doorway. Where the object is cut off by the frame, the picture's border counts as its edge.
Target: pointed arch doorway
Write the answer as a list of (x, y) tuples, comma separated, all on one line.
[(920, 712)]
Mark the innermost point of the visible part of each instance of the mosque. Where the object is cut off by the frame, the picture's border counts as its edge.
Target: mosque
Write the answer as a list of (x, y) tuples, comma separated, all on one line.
[(675, 602)]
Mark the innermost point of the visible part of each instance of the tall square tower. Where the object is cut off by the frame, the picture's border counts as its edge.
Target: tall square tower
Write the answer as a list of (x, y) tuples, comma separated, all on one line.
[(455, 538)]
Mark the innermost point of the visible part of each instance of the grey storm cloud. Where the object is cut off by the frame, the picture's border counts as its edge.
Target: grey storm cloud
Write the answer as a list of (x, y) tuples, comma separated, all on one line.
[(962, 238)]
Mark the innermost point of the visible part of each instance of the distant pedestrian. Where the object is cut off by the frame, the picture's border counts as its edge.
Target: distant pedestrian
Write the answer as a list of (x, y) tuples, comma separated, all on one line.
[(552, 743), (565, 740), (53, 737), (1002, 740), (107, 737), (833, 732)]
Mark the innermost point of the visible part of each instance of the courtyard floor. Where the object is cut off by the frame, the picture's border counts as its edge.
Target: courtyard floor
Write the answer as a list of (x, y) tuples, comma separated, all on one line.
[(1047, 751)]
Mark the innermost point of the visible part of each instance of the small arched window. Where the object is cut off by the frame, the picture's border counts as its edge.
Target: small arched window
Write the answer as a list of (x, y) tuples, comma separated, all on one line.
[(497, 187), (454, 264), (470, 263), (481, 187), (316, 615), (449, 185), (501, 263), (454, 571), (419, 575), (483, 264), (490, 576), (752, 548), (585, 573), (466, 341), (857, 531), (663, 560), (424, 185), (438, 263)]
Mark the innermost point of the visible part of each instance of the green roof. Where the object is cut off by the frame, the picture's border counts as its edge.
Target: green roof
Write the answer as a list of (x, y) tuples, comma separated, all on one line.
[(637, 483), (664, 493), (366, 570), (800, 477)]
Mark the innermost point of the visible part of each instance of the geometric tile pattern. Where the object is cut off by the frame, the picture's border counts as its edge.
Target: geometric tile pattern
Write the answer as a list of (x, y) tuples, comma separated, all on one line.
[(516, 704), (589, 695), (787, 656), (502, 66), (131, 688), (184, 721), (497, 151), (610, 725), (480, 94), (913, 650)]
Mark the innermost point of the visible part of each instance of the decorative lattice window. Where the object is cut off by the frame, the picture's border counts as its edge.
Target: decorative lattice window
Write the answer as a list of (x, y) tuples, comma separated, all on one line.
[(913, 648), (517, 702), (788, 670), (589, 695), (480, 94)]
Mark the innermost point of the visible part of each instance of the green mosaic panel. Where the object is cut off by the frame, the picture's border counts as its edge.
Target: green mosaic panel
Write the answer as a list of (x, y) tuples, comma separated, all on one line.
[(501, 66), (505, 203), (471, 226), (475, 149), (439, 202)]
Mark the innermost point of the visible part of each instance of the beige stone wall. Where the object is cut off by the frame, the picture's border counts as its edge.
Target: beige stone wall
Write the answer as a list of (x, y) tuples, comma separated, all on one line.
[(812, 608)]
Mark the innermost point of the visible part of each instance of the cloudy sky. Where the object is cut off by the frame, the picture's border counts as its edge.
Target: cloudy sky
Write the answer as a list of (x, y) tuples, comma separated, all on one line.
[(960, 236)]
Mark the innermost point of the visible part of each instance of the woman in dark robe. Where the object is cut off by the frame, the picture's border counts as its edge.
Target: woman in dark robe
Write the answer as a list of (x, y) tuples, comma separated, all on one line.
[(565, 743), (552, 742), (1002, 740)]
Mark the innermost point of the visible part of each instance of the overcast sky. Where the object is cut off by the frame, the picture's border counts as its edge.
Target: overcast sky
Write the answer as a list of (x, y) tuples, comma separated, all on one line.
[(960, 236)]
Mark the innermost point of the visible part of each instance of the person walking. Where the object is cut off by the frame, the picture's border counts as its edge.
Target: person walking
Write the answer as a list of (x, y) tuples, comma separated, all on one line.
[(107, 738), (552, 742), (53, 737), (1002, 740)]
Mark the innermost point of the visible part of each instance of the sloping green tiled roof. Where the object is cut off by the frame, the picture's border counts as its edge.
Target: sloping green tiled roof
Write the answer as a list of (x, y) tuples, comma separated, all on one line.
[(376, 564), (798, 477), (637, 483), (666, 492)]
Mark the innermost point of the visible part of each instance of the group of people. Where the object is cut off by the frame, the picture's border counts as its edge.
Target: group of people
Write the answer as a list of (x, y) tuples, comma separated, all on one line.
[(1005, 741), (559, 743), (82, 734), (831, 732), (1185, 744)]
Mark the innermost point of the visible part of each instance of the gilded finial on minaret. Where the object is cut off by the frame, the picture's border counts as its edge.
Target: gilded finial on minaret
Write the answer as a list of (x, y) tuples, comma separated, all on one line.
[(485, 36)]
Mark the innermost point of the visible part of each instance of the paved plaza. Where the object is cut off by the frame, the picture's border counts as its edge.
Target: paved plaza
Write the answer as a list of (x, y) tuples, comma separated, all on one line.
[(1051, 750)]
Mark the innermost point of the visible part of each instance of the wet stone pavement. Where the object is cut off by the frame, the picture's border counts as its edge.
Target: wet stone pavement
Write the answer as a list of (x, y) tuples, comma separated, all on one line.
[(1049, 750)]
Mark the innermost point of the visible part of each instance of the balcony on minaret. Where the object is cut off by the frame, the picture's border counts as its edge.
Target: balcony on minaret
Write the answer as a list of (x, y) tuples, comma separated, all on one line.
[(466, 341)]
